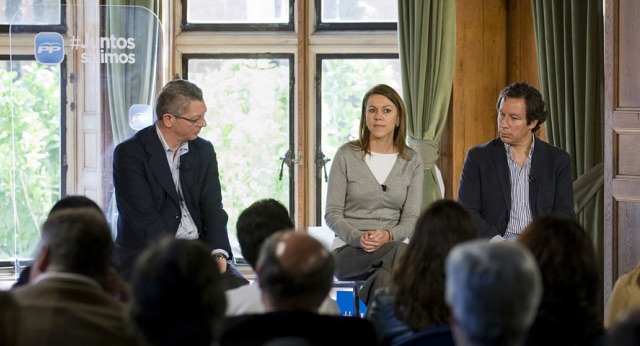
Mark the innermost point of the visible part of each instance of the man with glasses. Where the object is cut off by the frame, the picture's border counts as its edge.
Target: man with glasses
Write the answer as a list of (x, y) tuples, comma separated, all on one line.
[(166, 182)]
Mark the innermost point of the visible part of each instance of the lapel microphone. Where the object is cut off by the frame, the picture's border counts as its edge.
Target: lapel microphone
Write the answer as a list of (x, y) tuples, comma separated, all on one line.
[(384, 187), (531, 179)]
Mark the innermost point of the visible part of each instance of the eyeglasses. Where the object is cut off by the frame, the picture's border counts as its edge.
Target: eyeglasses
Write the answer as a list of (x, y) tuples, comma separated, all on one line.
[(195, 122)]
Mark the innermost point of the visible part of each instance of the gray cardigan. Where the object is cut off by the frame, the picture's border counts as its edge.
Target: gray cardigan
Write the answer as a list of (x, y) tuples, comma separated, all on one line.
[(356, 201)]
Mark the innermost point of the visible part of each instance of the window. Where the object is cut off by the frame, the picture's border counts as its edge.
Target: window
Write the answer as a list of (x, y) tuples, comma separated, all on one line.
[(334, 50), (32, 16), (32, 173), (356, 15), (238, 15), (249, 101), (343, 80)]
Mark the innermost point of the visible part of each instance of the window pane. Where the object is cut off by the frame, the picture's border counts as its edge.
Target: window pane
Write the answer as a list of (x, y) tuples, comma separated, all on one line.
[(344, 83), (248, 102), (359, 11), (30, 148), (30, 12), (237, 11)]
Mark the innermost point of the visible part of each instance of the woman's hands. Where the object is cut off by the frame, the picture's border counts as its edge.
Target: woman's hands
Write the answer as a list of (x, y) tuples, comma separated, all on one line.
[(373, 240)]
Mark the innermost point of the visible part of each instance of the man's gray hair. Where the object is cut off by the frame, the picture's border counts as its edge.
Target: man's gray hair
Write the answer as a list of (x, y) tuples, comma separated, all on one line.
[(494, 291)]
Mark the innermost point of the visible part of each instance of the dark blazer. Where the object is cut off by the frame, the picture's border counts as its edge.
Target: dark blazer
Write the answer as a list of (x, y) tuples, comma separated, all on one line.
[(485, 185), (147, 200), (315, 329), (63, 311)]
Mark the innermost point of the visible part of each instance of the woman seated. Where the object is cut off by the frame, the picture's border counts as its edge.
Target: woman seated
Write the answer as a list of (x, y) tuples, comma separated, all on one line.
[(415, 299), (374, 193), (570, 310)]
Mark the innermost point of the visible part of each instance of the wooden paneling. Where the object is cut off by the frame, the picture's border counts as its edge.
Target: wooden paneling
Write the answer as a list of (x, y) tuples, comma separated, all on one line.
[(627, 147), (628, 54), (479, 75), (622, 134), (495, 46), (522, 61)]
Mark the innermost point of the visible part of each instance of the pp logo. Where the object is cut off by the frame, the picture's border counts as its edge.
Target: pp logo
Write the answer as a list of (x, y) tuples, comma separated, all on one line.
[(140, 116), (49, 48)]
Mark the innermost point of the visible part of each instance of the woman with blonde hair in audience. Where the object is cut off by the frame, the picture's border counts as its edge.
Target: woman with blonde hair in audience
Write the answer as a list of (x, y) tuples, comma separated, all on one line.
[(415, 298), (570, 310), (624, 297)]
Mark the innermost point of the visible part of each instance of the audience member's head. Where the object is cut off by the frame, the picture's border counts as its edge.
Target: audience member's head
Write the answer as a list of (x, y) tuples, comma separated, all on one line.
[(493, 291), (570, 310), (75, 241), (177, 295), (68, 202), (74, 202), (256, 223), (295, 272), (418, 278), (627, 331)]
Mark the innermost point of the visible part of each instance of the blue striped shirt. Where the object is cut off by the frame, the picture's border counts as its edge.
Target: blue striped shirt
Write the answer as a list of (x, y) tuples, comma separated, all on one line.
[(520, 213)]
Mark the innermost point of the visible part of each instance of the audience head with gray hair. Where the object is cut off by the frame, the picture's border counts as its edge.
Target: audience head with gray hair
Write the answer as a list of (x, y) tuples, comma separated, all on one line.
[(76, 240), (295, 272), (493, 291)]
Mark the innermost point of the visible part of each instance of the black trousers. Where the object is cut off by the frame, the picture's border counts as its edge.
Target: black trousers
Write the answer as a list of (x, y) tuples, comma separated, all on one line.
[(374, 267)]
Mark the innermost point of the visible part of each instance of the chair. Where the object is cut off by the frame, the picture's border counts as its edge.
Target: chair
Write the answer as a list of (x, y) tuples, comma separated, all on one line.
[(436, 336), (325, 236)]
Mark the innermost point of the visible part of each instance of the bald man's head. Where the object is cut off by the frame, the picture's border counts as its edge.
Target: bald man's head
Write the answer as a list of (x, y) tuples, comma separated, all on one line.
[(295, 272)]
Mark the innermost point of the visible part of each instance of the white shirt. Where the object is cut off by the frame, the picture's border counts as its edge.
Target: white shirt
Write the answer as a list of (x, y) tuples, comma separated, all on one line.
[(247, 299), (187, 228), (520, 211), (380, 165)]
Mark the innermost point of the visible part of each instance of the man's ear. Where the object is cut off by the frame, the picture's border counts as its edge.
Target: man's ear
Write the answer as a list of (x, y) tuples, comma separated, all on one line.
[(41, 263), (532, 124), (166, 119)]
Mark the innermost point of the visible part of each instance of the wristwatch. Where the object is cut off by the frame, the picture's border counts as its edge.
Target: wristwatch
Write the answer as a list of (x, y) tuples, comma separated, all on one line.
[(219, 255)]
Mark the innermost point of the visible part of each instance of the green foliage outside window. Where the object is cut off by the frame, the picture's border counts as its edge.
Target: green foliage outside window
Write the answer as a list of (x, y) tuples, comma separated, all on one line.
[(248, 124), (29, 153)]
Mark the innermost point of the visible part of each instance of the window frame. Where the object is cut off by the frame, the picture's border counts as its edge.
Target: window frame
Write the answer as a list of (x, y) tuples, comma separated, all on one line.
[(248, 27), (33, 29), (290, 57), (318, 119)]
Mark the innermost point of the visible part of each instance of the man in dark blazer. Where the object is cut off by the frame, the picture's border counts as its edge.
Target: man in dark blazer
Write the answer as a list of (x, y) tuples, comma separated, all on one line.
[(295, 274), (166, 180), (511, 180)]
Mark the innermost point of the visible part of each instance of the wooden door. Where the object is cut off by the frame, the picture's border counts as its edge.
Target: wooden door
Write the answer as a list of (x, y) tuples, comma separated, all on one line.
[(622, 140)]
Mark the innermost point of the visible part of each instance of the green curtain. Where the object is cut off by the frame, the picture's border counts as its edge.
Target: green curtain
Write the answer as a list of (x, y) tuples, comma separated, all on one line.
[(427, 44), (569, 50)]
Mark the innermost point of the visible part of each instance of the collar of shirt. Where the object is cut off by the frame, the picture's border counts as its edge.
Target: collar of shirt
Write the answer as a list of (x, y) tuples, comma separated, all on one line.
[(507, 148), (183, 149), (66, 276)]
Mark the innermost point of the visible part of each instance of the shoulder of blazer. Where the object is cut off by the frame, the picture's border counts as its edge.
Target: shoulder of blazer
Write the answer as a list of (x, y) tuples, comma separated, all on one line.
[(200, 145), (488, 149), (551, 150)]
